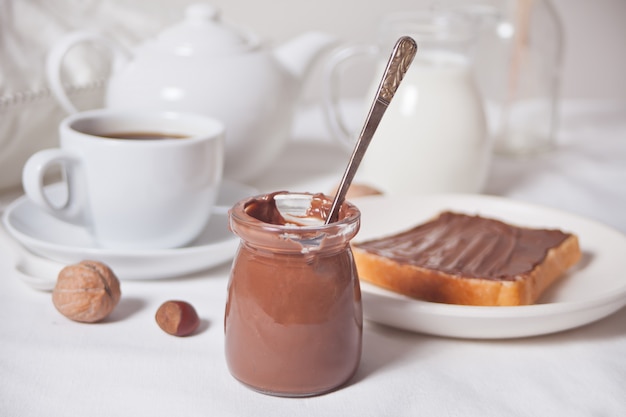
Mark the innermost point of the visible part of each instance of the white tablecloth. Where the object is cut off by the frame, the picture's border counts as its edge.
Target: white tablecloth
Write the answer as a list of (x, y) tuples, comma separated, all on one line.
[(126, 366)]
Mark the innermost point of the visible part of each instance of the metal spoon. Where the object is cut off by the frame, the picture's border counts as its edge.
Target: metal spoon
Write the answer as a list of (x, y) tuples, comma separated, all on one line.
[(401, 57)]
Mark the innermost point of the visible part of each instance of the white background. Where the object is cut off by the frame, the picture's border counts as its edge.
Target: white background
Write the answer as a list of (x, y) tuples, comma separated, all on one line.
[(595, 31)]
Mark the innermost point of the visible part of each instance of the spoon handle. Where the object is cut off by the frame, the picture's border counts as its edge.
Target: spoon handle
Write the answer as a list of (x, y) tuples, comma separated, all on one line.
[(401, 57)]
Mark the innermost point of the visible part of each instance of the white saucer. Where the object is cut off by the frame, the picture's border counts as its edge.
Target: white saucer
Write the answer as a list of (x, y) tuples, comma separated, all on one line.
[(592, 290), (54, 239)]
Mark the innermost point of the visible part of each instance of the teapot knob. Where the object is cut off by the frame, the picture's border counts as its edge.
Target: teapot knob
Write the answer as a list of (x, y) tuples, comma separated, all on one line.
[(201, 12), (203, 33)]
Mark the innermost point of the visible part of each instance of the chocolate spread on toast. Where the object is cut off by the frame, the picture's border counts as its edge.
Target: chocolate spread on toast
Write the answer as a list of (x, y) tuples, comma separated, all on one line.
[(469, 246)]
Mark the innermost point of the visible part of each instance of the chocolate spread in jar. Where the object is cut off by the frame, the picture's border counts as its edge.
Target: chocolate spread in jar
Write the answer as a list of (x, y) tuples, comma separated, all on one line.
[(470, 246), (264, 208), (293, 322)]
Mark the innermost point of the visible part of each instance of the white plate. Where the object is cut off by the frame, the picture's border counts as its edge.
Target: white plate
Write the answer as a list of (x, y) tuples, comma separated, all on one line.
[(593, 289), (54, 239)]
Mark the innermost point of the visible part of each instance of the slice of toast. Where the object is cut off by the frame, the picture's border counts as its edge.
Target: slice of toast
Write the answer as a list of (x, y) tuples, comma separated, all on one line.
[(471, 260)]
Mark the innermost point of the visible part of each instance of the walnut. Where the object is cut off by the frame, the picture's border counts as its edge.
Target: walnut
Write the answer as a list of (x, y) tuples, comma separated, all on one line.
[(86, 292)]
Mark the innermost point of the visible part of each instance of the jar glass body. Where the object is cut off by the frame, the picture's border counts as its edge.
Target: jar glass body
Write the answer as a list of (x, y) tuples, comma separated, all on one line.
[(293, 322)]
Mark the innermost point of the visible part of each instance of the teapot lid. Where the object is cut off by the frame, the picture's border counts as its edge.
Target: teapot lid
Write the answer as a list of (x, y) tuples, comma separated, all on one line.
[(203, 32)]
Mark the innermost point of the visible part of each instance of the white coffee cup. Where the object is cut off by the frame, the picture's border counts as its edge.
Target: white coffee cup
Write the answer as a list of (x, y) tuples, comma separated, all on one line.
[(133, 193)]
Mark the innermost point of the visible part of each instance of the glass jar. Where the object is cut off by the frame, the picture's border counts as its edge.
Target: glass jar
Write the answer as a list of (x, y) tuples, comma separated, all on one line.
[(293, 322), (519, 61)]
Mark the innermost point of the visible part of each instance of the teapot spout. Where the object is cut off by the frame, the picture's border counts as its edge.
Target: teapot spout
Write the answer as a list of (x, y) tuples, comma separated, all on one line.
[(298, 55)]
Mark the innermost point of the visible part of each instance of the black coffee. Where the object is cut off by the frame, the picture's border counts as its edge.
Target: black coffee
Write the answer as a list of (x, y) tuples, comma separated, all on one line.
[(143, 135)]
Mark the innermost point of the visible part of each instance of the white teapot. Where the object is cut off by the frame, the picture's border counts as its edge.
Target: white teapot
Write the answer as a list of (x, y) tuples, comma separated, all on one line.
[(203, 65)]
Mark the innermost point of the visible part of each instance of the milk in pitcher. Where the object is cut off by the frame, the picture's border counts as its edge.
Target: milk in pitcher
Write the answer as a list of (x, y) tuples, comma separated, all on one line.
[(433, 137)]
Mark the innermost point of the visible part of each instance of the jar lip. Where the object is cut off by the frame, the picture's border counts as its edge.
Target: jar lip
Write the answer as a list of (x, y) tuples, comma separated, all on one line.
[(238, 212)]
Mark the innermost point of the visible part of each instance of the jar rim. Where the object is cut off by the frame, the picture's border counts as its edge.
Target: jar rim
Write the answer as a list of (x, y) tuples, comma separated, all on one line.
[(290, 239), (239, 213)]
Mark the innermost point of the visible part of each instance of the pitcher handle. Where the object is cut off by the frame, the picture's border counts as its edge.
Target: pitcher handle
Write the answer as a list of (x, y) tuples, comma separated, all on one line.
[(330, 99), (54, 62)]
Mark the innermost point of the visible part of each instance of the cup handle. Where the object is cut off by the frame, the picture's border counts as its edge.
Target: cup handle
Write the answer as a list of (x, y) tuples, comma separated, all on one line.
[(54, 62), (330, 98), (72, 209)]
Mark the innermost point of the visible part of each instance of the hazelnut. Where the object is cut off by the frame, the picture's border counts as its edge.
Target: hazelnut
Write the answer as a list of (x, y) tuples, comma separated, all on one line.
[(177, 318), (86, 292)]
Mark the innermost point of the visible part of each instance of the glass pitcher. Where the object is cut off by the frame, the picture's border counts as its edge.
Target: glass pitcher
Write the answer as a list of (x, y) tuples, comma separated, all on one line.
[(433, 137), (519, 60)]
